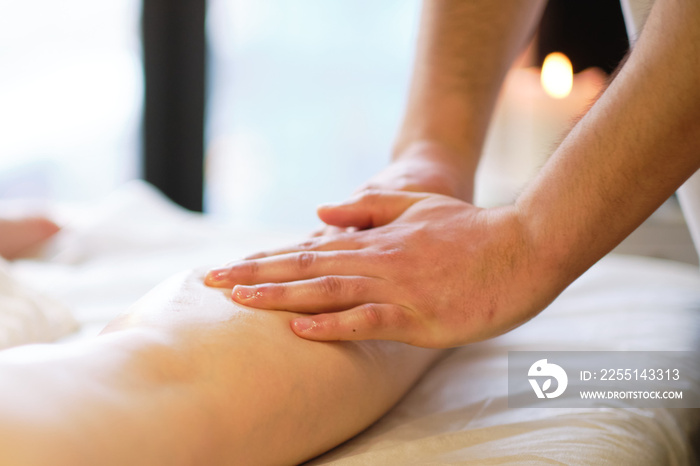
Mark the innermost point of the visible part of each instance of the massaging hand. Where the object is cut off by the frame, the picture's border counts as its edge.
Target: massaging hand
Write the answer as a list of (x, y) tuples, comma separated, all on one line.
[(424, 269)]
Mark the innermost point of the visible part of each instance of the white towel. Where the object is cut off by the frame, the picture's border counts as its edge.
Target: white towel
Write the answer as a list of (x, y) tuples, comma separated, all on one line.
[(27, 316)]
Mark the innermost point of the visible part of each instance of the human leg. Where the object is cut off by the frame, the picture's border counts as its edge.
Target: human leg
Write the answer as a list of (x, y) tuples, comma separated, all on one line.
[(186, 376)]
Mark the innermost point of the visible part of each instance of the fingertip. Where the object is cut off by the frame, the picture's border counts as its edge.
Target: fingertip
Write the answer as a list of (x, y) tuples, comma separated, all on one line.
[(327, 211), (308, 328), (243, 293), (216, 277), (324, 327), (303, 324)]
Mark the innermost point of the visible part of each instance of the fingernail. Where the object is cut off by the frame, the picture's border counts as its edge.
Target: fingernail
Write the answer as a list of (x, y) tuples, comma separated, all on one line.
[(303, 324), (244, 292), (217, 275)]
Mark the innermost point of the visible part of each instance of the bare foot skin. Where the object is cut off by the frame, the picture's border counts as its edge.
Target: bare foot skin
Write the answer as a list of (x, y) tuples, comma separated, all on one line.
[(19, 236)]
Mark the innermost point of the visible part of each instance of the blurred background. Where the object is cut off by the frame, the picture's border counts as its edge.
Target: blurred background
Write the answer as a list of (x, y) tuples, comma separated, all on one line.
[(255, 111), (303, 99), (306, 97), (71, 90)]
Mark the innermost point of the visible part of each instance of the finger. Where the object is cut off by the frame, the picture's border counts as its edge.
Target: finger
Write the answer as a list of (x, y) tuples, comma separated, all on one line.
[(323, 294), (365, 322), (369, 209), (318, 243), (288, 268)]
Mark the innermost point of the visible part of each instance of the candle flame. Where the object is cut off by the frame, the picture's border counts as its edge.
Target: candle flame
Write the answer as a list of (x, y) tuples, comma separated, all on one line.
[(557, 76)]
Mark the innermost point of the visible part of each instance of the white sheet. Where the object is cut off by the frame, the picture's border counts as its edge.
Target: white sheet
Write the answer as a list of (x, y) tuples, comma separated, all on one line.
[(118, 248), (27, 316)]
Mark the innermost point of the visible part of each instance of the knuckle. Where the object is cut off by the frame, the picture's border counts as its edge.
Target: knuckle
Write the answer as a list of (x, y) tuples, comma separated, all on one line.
[(356, 287), (396, 317), (391, 254), (330, 285), (250, 268), (304, 260), (271, 291), (372, 314), (392, 318), (392, 258)]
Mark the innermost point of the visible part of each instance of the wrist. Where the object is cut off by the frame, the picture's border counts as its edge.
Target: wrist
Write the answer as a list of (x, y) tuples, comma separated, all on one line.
[(519, 265), (458, 158), (551, 259), (462, 130), (449, 169)]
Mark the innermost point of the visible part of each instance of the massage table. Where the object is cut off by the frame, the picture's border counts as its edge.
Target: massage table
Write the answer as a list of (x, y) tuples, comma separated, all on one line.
[(113, 250)]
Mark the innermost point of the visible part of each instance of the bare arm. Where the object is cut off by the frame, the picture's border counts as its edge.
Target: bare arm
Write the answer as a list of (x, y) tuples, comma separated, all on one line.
[(186, 377), (464, 50), (628, 154)]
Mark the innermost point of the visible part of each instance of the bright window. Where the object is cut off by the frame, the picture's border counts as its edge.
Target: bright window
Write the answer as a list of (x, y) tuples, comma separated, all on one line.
[(70, 97), (305, 102)]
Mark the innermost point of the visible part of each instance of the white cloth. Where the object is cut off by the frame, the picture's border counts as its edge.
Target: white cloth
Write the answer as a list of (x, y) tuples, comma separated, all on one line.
[(111, 252), (27, 316), (636, 13)]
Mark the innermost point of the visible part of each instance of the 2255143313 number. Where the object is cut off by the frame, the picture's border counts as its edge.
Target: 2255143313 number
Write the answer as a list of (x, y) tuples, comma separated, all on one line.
[(639, 374)]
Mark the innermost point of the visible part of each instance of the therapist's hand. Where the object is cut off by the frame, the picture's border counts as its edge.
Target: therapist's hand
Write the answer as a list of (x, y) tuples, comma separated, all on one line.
[(427, 270)]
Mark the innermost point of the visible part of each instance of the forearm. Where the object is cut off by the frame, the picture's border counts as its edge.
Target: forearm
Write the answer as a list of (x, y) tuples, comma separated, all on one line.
[(464, 50), (636, 145)]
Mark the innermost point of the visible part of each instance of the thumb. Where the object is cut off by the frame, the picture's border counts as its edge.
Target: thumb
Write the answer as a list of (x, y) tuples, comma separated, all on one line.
[(368, 209), (365, 322)]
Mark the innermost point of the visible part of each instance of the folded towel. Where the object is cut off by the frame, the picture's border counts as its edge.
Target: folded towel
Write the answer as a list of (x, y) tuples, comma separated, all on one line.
[(27, 316)]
